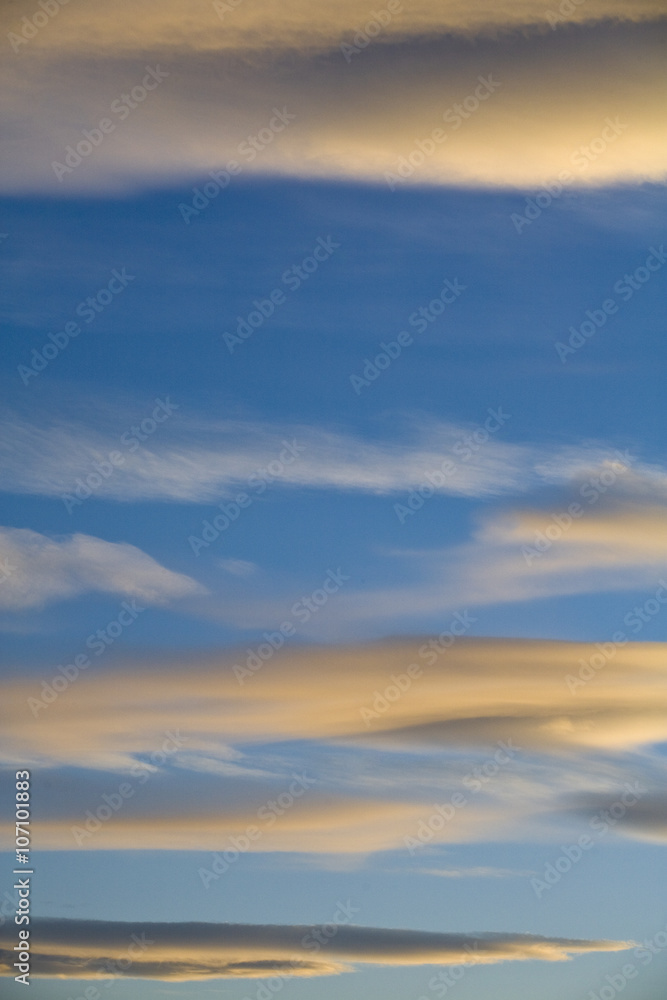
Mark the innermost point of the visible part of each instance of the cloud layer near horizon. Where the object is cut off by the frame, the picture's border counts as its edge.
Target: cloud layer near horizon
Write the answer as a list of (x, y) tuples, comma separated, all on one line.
[(86, 949)]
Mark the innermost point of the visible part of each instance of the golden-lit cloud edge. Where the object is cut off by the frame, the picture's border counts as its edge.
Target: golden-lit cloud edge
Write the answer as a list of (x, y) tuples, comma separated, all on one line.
[(432, 109), (530, 710), (457, 692), (93, 949)]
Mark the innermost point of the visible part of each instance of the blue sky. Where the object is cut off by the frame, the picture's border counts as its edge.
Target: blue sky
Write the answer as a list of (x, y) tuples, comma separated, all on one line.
[(232, 561)]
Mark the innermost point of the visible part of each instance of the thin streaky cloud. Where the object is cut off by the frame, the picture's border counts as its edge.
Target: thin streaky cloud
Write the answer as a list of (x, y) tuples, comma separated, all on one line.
[(198, 460), (480, 872)]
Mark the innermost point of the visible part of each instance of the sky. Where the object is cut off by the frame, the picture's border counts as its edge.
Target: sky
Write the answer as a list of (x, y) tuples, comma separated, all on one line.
[(333, 548)]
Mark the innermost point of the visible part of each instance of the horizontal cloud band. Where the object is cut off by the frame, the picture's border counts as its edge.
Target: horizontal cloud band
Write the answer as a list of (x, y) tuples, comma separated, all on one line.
[(90, 949), (515, 702), (351, 117)]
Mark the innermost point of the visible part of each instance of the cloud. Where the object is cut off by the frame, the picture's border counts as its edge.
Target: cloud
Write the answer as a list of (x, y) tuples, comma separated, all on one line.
[(198, 461), (39, 570), (93, 949), (469, 695), (535, 555), (513, 556), (324, 825), (466, 701), (306, 25), (237, 567), (399, 747), (352, 121), (645, 820), (480, 872)]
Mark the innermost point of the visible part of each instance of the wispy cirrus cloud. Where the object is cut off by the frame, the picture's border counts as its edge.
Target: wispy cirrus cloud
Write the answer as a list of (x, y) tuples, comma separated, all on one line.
[(528, 554), (84, 949), (515, 555), (198, 460)]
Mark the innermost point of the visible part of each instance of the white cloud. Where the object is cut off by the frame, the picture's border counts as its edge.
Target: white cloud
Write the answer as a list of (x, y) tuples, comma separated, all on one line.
[(39, 570), (199, 461), (237, 567)]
